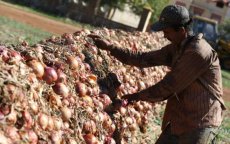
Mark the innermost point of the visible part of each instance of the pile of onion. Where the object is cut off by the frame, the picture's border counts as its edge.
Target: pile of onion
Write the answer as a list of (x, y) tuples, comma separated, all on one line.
[(52, 92)]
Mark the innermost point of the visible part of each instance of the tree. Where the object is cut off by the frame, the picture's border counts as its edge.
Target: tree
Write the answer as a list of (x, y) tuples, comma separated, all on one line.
[(155, 5), (136, 6), (224, 28), (113, 5)]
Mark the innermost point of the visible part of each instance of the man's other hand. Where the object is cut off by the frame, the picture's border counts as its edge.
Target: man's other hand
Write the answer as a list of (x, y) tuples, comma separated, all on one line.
[(100, 43)]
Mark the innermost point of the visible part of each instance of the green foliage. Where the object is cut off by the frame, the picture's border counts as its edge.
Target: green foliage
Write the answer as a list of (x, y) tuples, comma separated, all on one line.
[(120, 4), (224, 131), (224, 28), (137, 6), (157, 6), (226, 78)]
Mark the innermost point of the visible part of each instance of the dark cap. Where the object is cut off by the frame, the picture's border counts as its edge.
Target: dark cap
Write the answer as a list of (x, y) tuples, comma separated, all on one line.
[(172, 15)]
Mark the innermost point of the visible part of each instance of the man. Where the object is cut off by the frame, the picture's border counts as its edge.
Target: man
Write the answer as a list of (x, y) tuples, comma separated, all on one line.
[(193, 87)]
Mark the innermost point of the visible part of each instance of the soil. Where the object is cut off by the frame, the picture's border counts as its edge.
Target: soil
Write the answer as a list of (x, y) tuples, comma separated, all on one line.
[(49, 25)]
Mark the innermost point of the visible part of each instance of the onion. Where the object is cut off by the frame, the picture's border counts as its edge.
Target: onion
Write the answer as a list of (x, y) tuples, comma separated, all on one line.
[(4, 140), (37, 67), (61, 76), (5, 109), (90, 139), (25, 43), (88, 100), (82, 56), (50, 75), (74, 48), (109, 140), (1, 116), (72, 100), (55, 99), (122, 110), (141, 85), (59, 65), (27, 119), (129, 120), (61, 89), (139, 106), (99, 59), (137, 117), (43, 120), (133, 127), (33, 138), (12, 133), (87, 67), (111, 129), (92, 79), (32, 78), (29, 136), (12, 117), (81, 89), (71, 141), (100, 117), (105, 100), (34, 107), (50, 125), (66, 125), (89, 127), (86, 31), (16, 57), (4, 54), (66, 113), (98, 104), (89, 110), (126, 78), (65, 102), (72, 61), (56, 137), (58, 123), (132, 82), (11, 91)]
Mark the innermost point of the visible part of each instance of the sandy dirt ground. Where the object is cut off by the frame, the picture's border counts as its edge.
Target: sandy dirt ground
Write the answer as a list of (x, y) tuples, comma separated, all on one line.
[(49, 25), (227, 94), (41, 22)]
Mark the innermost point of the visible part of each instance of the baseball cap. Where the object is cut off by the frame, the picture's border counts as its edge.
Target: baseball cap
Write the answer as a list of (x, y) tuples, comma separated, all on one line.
[(172, 15)]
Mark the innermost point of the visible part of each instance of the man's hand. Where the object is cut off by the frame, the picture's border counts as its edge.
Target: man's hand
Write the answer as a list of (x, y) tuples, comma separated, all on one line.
[(100, 43), (131, 97)]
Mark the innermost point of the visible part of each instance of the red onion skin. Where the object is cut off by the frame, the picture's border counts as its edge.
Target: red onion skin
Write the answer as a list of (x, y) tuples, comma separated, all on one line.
[(33, 138), (61, 89), (109, 140), (81, 89), (50, 75), (61, 77), (90, 139), (28, 119)]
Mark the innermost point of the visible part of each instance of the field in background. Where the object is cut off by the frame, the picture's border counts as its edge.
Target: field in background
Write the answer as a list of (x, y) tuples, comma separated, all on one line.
[(12, 32), (50, 16), (226, 78)]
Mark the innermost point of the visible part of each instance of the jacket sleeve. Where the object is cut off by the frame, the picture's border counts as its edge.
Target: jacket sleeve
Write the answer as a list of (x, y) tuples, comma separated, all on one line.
[(191, 65), (145, 59)]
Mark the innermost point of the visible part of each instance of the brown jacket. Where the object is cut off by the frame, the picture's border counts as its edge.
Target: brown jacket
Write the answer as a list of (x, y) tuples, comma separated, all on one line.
[(191, 87)]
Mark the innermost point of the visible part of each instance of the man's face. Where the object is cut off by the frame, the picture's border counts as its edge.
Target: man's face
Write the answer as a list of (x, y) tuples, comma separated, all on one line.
[(172, 35)]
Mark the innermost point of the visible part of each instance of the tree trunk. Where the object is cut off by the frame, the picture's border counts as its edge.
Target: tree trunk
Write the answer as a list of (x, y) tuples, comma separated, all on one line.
[(93, 6), (111, 13)]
